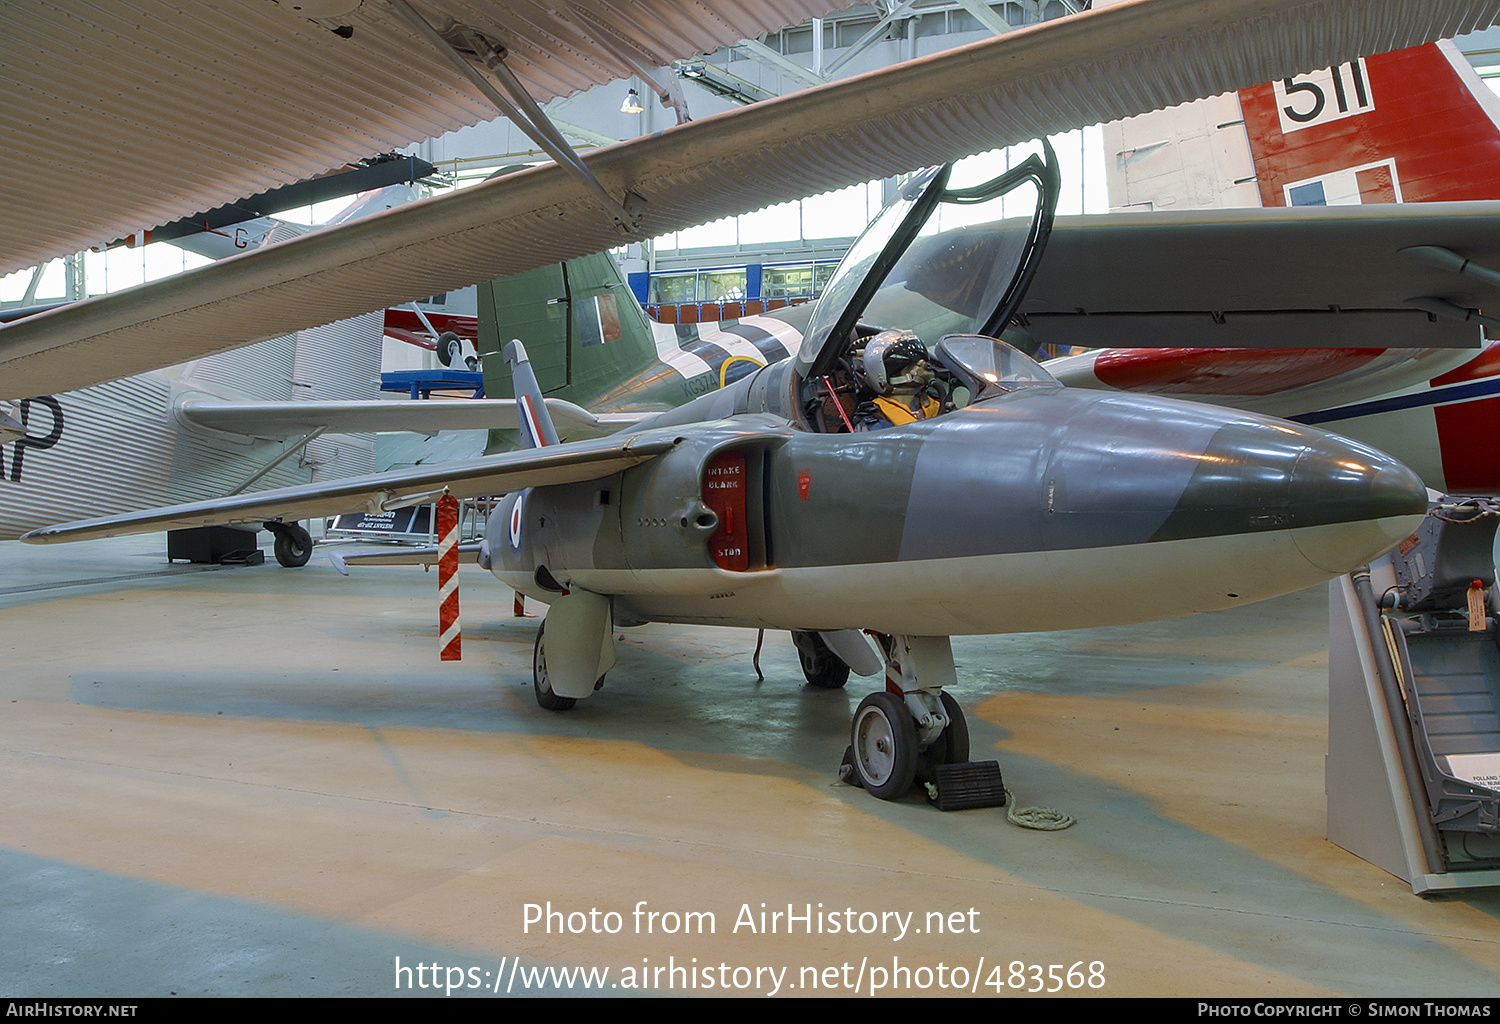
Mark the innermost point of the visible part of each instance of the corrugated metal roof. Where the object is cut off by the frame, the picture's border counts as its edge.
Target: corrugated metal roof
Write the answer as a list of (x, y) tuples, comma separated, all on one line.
[(120, 116), (1111, 63)]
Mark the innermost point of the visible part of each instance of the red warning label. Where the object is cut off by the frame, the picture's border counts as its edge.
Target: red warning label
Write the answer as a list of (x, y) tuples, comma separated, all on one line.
[(724, 492)]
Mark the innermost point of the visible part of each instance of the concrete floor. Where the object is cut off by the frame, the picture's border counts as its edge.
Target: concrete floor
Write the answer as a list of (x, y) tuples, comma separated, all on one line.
[(257, 781)]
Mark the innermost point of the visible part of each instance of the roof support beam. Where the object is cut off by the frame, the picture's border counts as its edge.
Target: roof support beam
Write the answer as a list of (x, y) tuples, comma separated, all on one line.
[(985, 15), (901, 10), (659, 80), (760, 52)]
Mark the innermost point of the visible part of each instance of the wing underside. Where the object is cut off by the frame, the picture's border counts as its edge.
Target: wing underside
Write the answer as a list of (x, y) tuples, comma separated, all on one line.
[(1101, 65), (126, 115), (1312, 277)]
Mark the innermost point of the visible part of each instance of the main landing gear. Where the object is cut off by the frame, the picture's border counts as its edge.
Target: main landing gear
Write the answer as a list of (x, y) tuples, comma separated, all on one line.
[(820, 665), (539, 681), (581, 650), (912, 730)]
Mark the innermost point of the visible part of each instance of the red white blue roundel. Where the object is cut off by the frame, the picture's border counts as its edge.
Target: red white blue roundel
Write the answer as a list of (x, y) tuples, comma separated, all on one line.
[(515, 522)]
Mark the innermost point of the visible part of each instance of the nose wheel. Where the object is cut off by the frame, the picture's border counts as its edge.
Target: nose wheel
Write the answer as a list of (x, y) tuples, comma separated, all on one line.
[(886, 754), (883, 745)]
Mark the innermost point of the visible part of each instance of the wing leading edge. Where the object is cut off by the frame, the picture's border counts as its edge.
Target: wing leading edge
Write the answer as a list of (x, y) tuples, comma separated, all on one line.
[(287, 419), (493, 474), (1098, 66)]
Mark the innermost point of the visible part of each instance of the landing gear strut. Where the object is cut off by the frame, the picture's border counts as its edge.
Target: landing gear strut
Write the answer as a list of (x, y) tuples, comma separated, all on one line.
[(951, 745), (911, 728)]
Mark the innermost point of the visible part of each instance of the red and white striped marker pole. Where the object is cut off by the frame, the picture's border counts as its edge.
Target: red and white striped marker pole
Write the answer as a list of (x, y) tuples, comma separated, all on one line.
[(447, 528)]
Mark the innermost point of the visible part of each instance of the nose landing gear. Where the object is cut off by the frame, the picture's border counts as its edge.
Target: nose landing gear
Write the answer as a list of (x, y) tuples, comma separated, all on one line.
[(916, 731)]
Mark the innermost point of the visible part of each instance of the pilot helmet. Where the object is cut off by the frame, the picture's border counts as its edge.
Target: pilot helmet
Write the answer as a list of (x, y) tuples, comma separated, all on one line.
[(889, 357)]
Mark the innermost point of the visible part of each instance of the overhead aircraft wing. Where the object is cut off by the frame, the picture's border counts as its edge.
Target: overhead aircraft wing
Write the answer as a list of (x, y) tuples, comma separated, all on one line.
[(1094, 67), (126, 115), (1307, 277), (288, 419), (492, 474)]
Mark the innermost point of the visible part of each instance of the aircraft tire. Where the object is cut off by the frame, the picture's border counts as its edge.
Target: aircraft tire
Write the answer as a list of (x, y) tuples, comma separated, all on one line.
[(884, 742), (450, 349), (544, 695), (293, 546), (820, 666)]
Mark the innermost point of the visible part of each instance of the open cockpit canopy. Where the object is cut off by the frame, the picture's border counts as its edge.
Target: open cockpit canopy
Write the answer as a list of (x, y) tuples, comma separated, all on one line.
[(939, 259), (907, 327)]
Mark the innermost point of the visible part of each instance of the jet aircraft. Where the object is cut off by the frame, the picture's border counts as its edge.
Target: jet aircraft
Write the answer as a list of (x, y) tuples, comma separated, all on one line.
[(1015, 503), (792, 499)]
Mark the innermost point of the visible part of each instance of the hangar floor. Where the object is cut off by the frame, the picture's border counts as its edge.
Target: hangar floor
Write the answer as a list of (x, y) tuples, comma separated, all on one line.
[(261, 781)]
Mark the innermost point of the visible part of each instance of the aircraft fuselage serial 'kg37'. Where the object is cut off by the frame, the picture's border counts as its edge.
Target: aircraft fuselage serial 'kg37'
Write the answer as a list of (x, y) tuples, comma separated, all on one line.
[(896, 483)]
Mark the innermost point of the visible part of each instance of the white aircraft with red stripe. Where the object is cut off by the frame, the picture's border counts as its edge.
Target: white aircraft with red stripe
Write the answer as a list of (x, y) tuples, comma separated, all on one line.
[(1413, 126)]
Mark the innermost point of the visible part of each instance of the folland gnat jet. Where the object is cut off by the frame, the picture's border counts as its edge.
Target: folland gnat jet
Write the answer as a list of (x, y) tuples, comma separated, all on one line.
[(790, 500)]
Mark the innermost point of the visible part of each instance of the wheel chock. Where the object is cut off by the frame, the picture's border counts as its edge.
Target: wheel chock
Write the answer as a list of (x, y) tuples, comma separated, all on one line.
[(847, 774), (958, 787)]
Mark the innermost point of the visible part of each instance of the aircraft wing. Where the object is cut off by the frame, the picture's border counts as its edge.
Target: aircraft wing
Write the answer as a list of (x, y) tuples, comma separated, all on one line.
[(127, 115), (1306, 277), (1093, 67), (492, 474), (403, 556), (289, 419)]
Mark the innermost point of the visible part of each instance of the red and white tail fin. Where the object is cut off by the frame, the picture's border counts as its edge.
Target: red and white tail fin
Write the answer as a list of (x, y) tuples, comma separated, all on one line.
[(1416, 125)]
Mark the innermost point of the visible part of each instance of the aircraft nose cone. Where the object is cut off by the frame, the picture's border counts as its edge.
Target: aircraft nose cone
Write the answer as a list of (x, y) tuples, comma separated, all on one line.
[(1099, 508), (1371, 494), (1344, 502)]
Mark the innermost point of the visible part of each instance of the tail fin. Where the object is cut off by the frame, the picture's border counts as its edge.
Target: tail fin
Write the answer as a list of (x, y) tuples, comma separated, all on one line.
[(537, 430), (336, 362), (339, 362), (1416, 125), (580, 322)]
